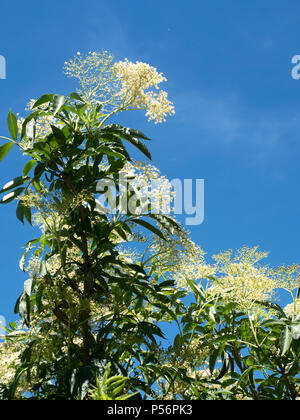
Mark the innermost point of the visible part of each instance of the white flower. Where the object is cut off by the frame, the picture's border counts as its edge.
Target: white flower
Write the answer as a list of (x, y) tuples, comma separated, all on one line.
[(293, 309), (136, 78)]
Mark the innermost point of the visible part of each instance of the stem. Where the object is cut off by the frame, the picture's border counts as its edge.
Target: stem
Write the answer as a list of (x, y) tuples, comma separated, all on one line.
[(238, 361), (85, 313), (289, 386), (253, 329)]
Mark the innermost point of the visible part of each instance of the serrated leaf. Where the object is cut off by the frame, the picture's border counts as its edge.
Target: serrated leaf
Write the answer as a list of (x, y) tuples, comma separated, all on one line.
[(140, 146), (150, 227), (132, 136), (124, 131), (169, 224)]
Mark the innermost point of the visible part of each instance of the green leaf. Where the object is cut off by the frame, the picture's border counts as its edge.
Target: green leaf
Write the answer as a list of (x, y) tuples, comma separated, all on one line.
[(138, 134), (58, 133), (109, 152), (39, 170), (11, 196), (76, 97), (150, 227), (79, 380), (225, 366), (178, 342), (43, 269), (24, 308), (285, 340), (28, 287), (27, 131), (212, 360), (149, 329), (37, 185), (20, 212), (296, 331), (43, 99), (170, 225), (28, 166), (132, 136), (27, 213), (124, 131), (12, 125), (16, 308), (16, 182), (57, 102), (274, 306), (5, 149), (140, 146)]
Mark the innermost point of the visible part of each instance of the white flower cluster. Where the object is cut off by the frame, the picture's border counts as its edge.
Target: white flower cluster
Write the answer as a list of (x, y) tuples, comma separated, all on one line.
[(288, 277), (293, 309), (136, 79), (120, 86), (36, 129), (141, 189), (239, 278), (180, 257), (95, 75), (151, 188), (9, 360)]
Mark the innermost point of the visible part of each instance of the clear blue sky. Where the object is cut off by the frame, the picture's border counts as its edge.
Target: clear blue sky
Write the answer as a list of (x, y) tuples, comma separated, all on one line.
[(237, 124)]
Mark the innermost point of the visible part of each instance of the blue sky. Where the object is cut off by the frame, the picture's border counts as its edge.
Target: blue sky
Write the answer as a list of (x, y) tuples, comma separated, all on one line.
[(237, 124)]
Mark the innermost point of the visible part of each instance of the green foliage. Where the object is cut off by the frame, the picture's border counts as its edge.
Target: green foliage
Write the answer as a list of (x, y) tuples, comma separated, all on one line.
[(92, 317), (242, 357), (64, 165), (110, 387)]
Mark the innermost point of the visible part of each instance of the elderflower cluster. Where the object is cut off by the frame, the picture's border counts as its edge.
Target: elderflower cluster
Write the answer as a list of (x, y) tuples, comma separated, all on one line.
[(39, 128), (136, 79), (153, 189), (239, 278), (9, 360), (180, 257), (293, 309), (10, 354), (120, 86), (288, 277), (142, 190), (99, 84)]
